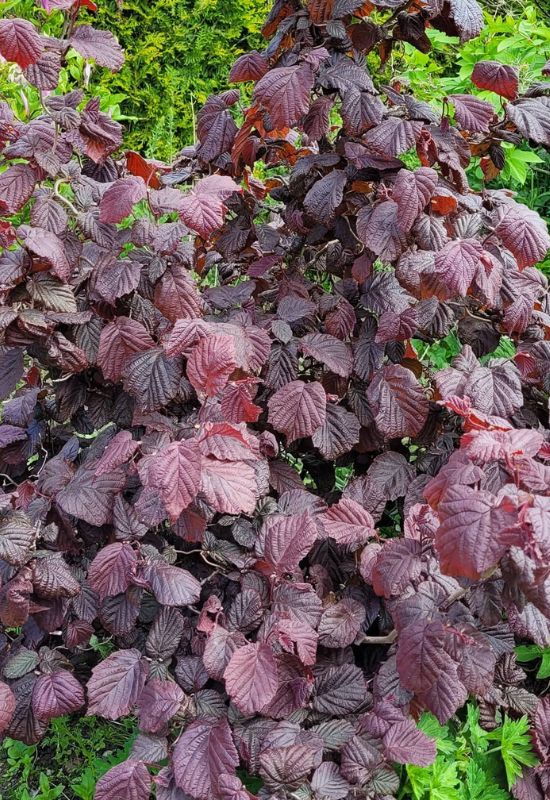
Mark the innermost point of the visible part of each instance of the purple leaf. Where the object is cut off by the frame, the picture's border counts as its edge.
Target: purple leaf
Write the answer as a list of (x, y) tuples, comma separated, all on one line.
[(251, 677), (129, 779), (116, 684), (202, 754)]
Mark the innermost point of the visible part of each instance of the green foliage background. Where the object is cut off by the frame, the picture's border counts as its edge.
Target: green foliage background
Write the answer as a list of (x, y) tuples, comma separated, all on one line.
[(177, 53)]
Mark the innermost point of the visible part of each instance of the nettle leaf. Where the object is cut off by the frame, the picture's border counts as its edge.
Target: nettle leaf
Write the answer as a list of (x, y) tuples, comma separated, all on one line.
[(116, 684), (330, 351), (129, 779), (325, 196), (251, 677), (398, 402), (7, 706), (56, 694), (210, 364), (475, 531), (112, 570), (341, 623), (20, 42), (171, 585), (412, 192), (101, 46), (17, 537), (407, 744), (284, 93), (531, 117), (284, 541), (119, 199), (119, 340), (17, 184), (298, 409), (174, 472), (502, 79), (203, 208), (347, 523), (471, 113), (203, 753), (523, 232)]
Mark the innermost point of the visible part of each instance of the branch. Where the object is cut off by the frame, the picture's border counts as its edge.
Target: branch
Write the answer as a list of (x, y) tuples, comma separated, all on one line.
[(389, 638)]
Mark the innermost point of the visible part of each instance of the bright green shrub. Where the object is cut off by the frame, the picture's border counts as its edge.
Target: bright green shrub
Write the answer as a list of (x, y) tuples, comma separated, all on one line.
[(514, 34), (177, 53)]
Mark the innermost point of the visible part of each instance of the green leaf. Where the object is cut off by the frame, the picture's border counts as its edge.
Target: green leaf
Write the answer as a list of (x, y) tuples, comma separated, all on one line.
[(515, 747)]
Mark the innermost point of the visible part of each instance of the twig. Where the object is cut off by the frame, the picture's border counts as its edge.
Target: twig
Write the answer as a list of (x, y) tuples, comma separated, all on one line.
[(389, 638)]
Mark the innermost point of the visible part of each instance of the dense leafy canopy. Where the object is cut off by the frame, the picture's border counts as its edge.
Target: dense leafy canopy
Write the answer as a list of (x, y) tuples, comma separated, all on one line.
[(190, 358)]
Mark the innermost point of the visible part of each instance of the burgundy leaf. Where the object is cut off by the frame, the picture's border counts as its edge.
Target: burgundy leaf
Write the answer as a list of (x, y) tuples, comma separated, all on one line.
[(475, 531), (412, 192), (398, 402), (251, 677), (91, 497), (112, 569), (523, 232), (298, 409), (56, 694), (158, 703), (284, 541), (325, 196), (249, 67), (119, 450), (17, 184), (171, 585), (347, 523), (119, 340), (7, 706), (330, 351), (203, 209), (175, 473), (341, 623), (130, 779), (119, 199), (230, 487), (496, 77), (116, 684), (532, 118), (379, 228), (204, 752), (101, 46), (407, 744), (20, 42), (471, 113), (284, 93), (210, 364)]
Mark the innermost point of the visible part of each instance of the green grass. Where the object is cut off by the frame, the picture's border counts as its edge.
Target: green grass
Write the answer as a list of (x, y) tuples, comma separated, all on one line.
[(67, 763)]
